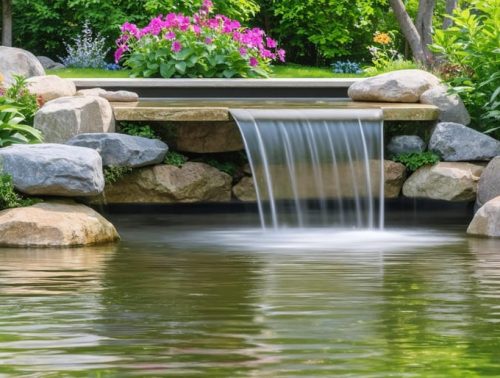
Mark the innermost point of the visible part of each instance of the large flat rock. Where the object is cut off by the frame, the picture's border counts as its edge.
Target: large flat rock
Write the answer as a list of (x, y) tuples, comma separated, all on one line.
[(53, 169), (54, 224)]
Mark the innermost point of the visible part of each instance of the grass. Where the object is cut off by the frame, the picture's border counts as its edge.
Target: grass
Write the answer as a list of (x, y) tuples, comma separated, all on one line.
[(287, 71)]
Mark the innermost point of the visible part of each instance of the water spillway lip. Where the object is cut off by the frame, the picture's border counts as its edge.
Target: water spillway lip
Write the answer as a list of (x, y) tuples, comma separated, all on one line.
[(309, 114)]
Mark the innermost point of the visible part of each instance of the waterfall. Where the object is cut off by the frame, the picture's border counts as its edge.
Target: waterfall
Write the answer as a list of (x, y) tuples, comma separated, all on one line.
[(315, 167)]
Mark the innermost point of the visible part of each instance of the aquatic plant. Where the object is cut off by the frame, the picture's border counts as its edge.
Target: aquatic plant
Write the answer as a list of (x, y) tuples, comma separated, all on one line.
[(198, 46)]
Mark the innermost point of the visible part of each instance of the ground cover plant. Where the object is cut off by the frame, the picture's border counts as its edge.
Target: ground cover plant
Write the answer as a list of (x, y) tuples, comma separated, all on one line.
[(9, 198), (197, 46), (415, 160)]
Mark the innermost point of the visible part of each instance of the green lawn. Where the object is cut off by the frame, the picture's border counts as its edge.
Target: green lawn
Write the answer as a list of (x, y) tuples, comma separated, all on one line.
[(288, 71)]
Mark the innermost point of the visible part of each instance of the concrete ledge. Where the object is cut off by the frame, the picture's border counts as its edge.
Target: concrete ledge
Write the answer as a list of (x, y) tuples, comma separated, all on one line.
[(230, 88), (203, 110)]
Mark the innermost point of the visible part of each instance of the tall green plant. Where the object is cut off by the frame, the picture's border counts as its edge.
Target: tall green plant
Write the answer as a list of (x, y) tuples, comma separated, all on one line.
[(471, 50), (13, 130)]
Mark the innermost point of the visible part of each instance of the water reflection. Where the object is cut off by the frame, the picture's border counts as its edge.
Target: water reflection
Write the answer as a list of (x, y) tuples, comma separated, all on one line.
[(157, 306)]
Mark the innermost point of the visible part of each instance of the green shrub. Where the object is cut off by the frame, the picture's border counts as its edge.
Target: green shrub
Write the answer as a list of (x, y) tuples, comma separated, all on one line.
[(414, 160), (12, 129), (114, 174), (18, 95), (175, 159), (196, 46), (9, 198), (471, 49), (138, 129)]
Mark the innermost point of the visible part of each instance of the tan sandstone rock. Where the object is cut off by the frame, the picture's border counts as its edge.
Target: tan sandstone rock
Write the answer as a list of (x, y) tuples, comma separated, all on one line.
[(445, 181), (54, 224), (193, 182), (111, 96), (395, 86), (245, 190), (394, 178), (486, 222), (51, 87)]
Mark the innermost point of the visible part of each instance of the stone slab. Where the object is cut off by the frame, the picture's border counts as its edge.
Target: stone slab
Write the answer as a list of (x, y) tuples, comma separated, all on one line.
[(204, 110)]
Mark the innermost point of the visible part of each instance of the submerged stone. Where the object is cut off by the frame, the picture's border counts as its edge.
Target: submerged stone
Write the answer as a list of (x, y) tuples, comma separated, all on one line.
[(54, 224), (120, 150), (53, 169)]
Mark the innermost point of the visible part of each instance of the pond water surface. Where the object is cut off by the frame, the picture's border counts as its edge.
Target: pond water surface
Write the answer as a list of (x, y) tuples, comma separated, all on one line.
[(210, 296)]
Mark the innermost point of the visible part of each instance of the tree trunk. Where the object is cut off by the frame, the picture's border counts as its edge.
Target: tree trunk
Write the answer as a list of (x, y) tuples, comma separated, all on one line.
[(7, 22), (450, 7), (409, 31)]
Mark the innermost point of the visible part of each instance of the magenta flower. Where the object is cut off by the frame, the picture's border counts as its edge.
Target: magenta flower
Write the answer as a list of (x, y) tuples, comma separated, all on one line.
[(119, 52), (253, 62), (208, 41), (281, 55), (207, 4), (176, 46), (271, 43), (170, 35), (243, 51)]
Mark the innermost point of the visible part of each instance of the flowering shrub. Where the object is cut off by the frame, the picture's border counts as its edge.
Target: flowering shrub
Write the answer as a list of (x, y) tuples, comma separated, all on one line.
[(385, 56), (87, 50), (197, 46), (346, 67)]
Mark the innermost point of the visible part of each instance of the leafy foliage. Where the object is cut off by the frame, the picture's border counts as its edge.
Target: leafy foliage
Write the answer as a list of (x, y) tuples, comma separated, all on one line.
[(197, 46), (41, 26), (114, 174), (314, 31), (138, 129), (414, 161), (13, 130), (471, 48), (18, 96), (8, 197), (87, 50), (174, 158)]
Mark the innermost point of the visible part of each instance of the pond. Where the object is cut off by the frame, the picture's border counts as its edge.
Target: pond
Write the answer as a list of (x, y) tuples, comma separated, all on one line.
[(212, 295)]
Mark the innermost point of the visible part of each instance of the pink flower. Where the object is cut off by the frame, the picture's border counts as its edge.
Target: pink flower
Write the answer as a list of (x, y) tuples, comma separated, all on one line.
[(207, 4), (253, 62), (243, 51), (170, 35), (271, 43), (119, 52), (176, 46), (196, 29), (208, 41), (281, 55)]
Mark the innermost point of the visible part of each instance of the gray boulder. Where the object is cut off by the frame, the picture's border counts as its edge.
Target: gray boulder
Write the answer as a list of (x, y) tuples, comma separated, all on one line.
[(53, 169), (120, 150), (51, 87), (489, 184), (404, 144), (451, 107), (65, 117), (111, 96), (486, 221), (396, 86), (456, 142), (49, 64), (14, 61)]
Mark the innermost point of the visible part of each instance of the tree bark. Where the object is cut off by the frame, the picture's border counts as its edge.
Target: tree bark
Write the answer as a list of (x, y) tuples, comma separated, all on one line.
[(450, 7), (7, 22), (409, 31)]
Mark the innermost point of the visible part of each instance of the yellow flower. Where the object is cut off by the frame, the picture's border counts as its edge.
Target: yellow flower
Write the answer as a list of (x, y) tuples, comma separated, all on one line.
[(382, 38), (1, 78)]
